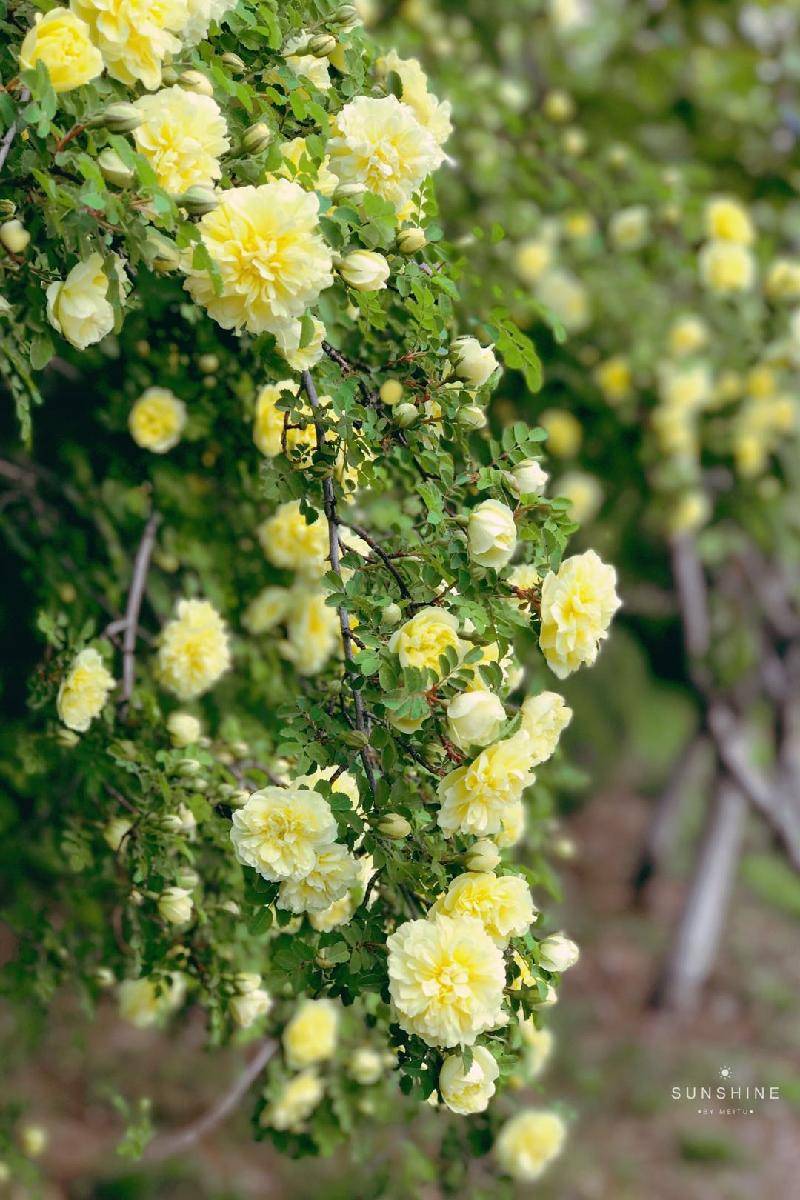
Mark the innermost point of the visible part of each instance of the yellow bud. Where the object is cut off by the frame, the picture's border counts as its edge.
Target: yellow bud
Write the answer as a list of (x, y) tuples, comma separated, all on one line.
[(14, 236), (411, 239), (256, 138), (391, 392), (113, 169), (395, 826), (196, 81)]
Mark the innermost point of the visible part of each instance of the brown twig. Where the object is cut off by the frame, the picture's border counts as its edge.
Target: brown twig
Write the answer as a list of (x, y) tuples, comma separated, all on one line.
[(382, 555), (329, 501), (141, 565), (170, 1144)]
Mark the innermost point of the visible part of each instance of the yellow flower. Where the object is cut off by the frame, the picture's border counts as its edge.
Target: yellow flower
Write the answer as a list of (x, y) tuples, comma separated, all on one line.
[(614, 379), (267, 609), (566, 297), (491, 534), (446, 980), (365, 270), (687, 335), (62, 41), (307, 66), (296, 161), (532, 258), (528, 1143), (422, 641), (183, 728), (201, 14), (135, 36), (686, 388), (272, 261), (475, 717), (344, 783), (279, 832), (157, 419), (381, 144), (341, 911), (78, 306), (538, 1048), (472, 362), (564, 432), (329, 880), (727, 220), (310, 1036), (432, 114), (727, 267), (84, 690), (689, 512), (299, 358), (544, 718), (512, 825), (475, 796), (629, 228), (182, 136), (194, 651), (783, 279), (502, 904), (145, 1001), (578, 603), (524, 576), (270, 420), (465, 1092), (290, 542), (313, 631), (295, 1104)]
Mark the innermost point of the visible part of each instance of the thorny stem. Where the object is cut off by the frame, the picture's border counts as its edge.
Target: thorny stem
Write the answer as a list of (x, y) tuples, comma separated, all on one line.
[(141, 565), (329, 501), (382, 555)]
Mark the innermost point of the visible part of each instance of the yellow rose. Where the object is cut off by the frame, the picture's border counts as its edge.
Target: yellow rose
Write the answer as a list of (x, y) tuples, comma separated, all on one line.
[(381, 144), (689, 512), (727, 220), (564, 432), (584, 492), (157, 419), (472, 362), (566, 297), (558, 953), (84, 690), (267, 609), (468, 1091), (295, 1104), (614, 378), (298, 162), (135, 36), (288, 338), (184, 729), (544, 718), (538, 1044), (783, 279), (432, 114), (272, 260), (491, 534), (279, 832), (578, 603), (364, 270), (194, 651), (475, 717), (289, 541), (502, 904), (628, 229), (307, 66), (528, 1143), (475, 797), (182, 136), (62, 41), (313, 631), (145, 1001), (334, 873), (270, 420), (422, 641), (687, 335), (446, 980), (78, 306), (532, 258), (310, 1036), (512, 825), (727, 267)]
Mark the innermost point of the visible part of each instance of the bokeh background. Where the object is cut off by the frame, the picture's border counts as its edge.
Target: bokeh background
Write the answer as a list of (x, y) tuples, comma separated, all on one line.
[(566, 114)]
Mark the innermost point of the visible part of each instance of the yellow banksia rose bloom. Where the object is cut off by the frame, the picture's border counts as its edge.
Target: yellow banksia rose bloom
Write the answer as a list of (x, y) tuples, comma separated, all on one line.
[(475, 797), (687, 335), (502, 903), (727, 267), (201, 14), (289, 337), (268, 609), (344, 783), (341, 911), (311, 1034), (512, 825), (566, 297), (62, 41), (194, 651), (783, 279), (564, 432), (297, 161), (524, 577), (307, 66), (313, 631), (538, 1048), (269, 419), (475, 717), (279, 831), (446, 980), (157, 419), (271, 257), (491, 534), (184, 728), (331, 877), (528, 1143), (689, 512), (532, 258), (615, 379), (468, 1091), (578, 603), (728, 220), (296, 1102), (380, 143), (182, 136), (135, 36), (432, 114), (422, 641), (78, 306), (84, 690), (145, 1001), (544, 718), (290, 542), (628, 229)]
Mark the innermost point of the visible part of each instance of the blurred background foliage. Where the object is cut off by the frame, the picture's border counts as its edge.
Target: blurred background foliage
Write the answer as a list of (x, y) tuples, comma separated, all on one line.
[(568, 113)]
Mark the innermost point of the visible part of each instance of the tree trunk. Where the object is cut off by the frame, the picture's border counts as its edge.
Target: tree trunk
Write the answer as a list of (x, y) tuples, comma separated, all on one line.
[(697, 938)]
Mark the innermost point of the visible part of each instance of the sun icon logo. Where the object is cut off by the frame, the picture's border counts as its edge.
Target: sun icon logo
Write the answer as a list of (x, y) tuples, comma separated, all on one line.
[(725, 1072)]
